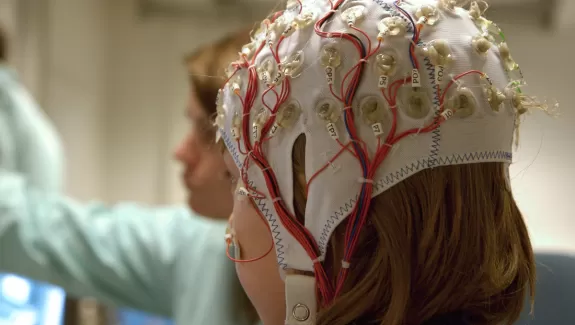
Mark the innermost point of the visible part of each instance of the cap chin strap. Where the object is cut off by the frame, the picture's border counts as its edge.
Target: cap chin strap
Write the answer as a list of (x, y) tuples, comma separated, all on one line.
[(301, 301)]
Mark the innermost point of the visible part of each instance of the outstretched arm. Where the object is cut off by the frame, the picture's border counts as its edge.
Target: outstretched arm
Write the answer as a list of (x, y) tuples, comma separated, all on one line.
[(165, 261), (126, 255), (29, 143)]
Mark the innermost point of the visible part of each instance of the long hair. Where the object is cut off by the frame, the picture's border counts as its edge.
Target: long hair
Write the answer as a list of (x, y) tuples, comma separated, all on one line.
[(448, 245)]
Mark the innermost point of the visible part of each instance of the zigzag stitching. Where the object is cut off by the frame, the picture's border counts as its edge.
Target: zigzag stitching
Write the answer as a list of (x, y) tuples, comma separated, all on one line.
[(262, 206), (343, 212), (273, 223), (403, 173), (436, 134), (231, 148), (274, 229), (442, 161)]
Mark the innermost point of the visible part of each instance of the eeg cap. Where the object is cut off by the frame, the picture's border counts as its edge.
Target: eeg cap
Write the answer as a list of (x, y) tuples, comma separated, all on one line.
[(381, 89)]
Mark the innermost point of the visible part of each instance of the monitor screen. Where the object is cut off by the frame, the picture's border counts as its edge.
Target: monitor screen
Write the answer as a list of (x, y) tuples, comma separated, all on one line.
[(134, 317), (27, 302)]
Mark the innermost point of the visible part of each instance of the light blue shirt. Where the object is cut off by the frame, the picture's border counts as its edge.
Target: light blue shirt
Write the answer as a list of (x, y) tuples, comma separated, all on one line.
[(28, 142), (166, 261)]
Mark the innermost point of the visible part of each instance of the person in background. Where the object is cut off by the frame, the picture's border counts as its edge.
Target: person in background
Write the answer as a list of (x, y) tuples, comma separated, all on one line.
[(26, 135), (203, 164), (168, 261)]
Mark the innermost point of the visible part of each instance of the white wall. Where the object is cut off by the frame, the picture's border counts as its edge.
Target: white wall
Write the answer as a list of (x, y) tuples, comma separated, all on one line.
[(74, 88), (7, 16), (147, 89), (116, 89), (544, 174), (23, 40), (59, 48)]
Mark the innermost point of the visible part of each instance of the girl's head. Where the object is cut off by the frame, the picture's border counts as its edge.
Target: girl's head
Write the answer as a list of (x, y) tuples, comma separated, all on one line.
[(204, 171), (369, 143), (447, 245)]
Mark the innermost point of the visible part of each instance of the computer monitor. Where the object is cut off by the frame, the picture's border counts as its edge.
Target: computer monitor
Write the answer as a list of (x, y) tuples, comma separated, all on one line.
[(134, 317), (27, 302)]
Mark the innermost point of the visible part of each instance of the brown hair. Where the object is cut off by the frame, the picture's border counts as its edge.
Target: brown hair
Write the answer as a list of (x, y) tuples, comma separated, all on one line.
[(206, 66), (445, 246)]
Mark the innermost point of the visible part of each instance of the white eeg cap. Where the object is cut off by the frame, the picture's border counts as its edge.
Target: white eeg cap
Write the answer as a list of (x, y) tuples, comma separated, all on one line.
[(465, 80)]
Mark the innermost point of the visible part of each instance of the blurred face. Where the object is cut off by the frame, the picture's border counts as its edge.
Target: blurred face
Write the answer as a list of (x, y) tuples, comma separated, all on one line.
[(260, 278), (205, 174)]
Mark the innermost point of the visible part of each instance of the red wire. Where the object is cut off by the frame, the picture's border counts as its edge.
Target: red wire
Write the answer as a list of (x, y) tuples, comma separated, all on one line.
[(333, 93), (270, 88), (325, 166), (276, 15), (297, 230), (243, 152), (260, 48), (255, 152), (229, 241), (350, 118), (380, 156), (366, 37)]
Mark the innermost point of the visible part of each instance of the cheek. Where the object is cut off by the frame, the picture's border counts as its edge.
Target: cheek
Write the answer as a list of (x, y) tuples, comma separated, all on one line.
[(260, 278), (252, 231), (211, 166), (195, 138)]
